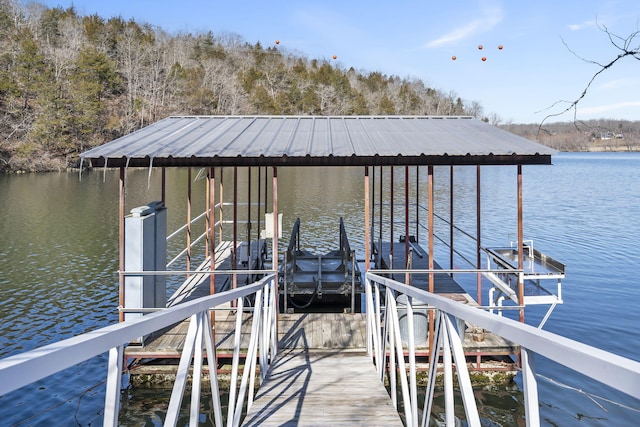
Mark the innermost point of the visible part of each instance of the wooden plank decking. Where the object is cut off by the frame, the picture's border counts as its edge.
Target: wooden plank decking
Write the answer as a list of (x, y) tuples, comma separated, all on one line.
[(328, 388)]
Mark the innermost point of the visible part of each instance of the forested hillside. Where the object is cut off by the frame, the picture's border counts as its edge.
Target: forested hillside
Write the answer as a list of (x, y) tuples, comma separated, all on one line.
[(70, 82), (590, 135)]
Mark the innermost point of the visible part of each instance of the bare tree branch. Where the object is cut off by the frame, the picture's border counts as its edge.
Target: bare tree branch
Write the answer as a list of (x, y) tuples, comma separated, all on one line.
[(627, 46)]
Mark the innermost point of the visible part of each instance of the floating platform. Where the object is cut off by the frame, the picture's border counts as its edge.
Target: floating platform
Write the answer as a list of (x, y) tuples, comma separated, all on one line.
[(155, 362)]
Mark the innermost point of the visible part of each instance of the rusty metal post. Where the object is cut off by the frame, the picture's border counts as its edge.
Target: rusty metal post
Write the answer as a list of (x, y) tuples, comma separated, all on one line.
[(367, 220), (406, 223), (221, 208), (249, 253), (391, 216), (275, 234), (478, 235), (431, 245), (212, 231), (451, 227), (381, 198), (418, 203), (234, 253), (163, 191), (520, 246), (121, 244), (188, 219)]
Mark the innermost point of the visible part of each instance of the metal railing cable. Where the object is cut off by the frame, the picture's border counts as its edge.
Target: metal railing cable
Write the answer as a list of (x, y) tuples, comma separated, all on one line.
[(384, 345)]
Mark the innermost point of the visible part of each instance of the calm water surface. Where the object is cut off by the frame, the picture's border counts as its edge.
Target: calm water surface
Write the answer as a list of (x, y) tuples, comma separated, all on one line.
[(58, 263)]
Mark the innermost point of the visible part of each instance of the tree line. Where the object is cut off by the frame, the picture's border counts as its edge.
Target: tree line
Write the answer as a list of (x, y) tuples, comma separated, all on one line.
[(589, 135), (70, 82)]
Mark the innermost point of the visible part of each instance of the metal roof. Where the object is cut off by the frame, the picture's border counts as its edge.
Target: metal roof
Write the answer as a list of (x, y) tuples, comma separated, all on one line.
[(318, 141)]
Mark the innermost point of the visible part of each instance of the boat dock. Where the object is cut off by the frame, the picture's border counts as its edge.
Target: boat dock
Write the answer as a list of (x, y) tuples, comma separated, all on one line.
[(155, 363)]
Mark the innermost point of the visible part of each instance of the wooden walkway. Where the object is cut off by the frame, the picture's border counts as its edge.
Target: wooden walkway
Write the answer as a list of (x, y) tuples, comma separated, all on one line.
[(322, 388)]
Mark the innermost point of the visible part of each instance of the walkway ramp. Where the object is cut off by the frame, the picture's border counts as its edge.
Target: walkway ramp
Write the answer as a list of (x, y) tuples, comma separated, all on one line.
[(329, 388)]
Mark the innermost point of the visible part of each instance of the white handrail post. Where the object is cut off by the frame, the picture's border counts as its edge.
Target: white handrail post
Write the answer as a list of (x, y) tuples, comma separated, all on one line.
[(198, 357), (532, 411), (213, 369), (248, 375), (264, 333), (412, 361), (393, 371), (392, 310), (183, 372), (380, 356), (273, 307), (449, 415), (233, 385), (433, 369), (464, 380), (114, 383)]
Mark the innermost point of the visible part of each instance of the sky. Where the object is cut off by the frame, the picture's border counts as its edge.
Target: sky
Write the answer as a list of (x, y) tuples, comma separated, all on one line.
[(547, 58)]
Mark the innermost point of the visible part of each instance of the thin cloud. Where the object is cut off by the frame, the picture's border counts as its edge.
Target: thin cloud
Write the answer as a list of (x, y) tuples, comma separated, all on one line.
[(608, 107), (582, 26), (491, 18)]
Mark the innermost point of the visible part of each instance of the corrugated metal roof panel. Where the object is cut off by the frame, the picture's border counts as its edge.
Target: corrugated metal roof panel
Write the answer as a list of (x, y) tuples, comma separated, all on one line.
[(312, 140)]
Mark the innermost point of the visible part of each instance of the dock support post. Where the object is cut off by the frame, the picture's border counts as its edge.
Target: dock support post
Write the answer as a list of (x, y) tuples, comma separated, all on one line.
[(478, 237), (188, 219), (520, 246), (121, 244), (212, 237), (367, 225), (431, 244), (451, 227)]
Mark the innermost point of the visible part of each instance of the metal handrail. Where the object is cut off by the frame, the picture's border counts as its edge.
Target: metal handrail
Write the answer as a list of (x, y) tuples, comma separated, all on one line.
[(23, 369), (618, 372)]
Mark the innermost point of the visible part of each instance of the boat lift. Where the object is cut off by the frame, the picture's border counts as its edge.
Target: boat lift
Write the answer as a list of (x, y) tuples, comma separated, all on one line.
[(536, 267), (310, 277)]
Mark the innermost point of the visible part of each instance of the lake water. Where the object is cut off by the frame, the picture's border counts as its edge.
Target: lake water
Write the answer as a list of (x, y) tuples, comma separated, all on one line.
[(58, 263)]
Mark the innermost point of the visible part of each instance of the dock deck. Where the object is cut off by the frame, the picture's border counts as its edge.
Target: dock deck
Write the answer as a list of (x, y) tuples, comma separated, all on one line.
[(302, 385), (309, 331)]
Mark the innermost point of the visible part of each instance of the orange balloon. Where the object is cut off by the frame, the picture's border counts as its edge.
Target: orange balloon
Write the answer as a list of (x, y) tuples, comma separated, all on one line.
[(500, 47), (484, 58), (277, 41), (335, 56), (480, 46), (454, 57)]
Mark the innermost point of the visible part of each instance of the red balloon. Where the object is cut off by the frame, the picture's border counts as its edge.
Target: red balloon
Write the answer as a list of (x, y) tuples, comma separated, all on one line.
[(484, 58), (454, 57), (480, 46)]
